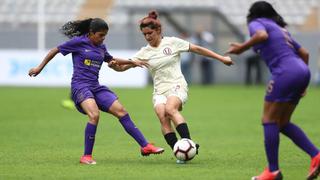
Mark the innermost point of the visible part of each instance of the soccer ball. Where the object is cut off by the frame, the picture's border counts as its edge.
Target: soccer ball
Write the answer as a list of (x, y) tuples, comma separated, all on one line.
[(185, 149)]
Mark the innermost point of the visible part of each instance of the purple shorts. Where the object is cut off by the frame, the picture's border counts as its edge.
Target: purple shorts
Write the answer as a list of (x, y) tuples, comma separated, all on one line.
[(287, 86), (103, 96)]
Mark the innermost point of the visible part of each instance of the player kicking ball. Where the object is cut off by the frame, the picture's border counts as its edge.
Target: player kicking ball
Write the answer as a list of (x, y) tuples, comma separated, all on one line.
[(88, 54), (170, 87)]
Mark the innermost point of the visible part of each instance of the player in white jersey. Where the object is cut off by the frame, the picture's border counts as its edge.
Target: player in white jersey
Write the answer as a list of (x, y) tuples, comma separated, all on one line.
[(170, 86)]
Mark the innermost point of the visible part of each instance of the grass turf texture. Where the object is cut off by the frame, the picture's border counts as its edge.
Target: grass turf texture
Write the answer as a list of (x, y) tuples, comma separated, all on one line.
[(41, 140)]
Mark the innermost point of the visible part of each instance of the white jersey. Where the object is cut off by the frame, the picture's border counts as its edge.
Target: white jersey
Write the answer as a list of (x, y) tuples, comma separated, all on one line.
[(164, 62)]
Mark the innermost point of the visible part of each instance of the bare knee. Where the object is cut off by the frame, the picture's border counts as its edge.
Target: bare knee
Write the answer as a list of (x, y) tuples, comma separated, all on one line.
[(120, 112), (170, 111), (117, 109), (94, 117)]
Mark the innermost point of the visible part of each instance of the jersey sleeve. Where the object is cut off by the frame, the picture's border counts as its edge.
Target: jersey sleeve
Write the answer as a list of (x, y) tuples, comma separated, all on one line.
[(180, 44), (107, 57), (70, 46), (255, 26), (139, 55)]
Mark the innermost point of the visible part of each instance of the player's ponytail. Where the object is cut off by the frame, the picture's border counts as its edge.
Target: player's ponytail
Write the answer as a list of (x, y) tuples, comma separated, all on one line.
[(151, 21), (81, 27)]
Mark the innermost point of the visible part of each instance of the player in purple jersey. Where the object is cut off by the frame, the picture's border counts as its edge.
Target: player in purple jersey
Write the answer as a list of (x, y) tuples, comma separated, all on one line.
[(288, 64), (88, 54)]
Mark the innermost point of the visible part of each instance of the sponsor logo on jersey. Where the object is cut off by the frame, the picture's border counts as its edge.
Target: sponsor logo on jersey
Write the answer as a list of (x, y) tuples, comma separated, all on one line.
[(89, 62)]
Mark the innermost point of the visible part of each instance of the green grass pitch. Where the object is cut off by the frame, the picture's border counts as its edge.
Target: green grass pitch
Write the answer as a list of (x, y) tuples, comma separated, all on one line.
[(41, 140)]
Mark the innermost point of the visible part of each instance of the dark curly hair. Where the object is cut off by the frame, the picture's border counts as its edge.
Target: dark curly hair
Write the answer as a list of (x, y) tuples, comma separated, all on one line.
[(263, 9)]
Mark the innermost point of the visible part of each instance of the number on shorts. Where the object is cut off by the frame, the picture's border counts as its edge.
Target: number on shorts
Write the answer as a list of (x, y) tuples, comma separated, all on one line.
[(270, 86)]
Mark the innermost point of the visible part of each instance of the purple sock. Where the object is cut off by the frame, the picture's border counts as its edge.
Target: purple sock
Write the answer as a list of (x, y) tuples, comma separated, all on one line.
[(133, 130), (299, 138), (271, 143), (89, 136)]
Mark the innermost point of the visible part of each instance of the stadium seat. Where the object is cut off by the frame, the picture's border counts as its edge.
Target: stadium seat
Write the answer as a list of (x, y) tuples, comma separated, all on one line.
[(294, 11)]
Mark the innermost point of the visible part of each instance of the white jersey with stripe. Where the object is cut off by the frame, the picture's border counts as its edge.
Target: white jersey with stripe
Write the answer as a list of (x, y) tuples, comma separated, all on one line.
[(164, 62)]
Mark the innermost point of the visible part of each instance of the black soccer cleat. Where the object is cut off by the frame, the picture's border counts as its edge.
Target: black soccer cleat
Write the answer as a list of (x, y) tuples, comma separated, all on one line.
[(197, 148)]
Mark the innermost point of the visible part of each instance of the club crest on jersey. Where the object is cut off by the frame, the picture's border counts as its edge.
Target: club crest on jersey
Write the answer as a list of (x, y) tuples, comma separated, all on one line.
[(167, 51)]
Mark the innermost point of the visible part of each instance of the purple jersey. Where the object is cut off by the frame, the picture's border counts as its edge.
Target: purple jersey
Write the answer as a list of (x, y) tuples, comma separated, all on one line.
[(290, 74), (87, 60), (279, 48)]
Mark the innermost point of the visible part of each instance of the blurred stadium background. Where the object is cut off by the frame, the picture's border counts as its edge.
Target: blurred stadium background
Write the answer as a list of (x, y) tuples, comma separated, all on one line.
[(28, 28), (41, 140)]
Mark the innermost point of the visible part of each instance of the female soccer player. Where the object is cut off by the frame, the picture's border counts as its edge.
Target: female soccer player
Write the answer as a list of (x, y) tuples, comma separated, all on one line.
[(88, 54), (288, 64), (170, 86)]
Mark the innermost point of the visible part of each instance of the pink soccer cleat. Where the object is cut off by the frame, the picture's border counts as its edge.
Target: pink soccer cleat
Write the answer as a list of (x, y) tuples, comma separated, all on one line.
[(151, 149), (314, 168), (87, 159), (267, 175)]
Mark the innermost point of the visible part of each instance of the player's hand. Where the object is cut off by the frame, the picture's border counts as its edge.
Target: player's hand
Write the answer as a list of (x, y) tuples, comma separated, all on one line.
[(227, 60), (112, 63), (235, 48), (140, 63), (34, 72)]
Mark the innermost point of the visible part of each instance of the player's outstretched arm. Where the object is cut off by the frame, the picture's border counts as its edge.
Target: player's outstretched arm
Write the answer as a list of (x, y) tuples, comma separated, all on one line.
[(123, 65), (134, 63), (208, 53), (238, 48), (36, 70), (115, 66)]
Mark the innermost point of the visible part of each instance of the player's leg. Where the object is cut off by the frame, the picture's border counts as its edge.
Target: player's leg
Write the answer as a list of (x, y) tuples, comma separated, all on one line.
[(107, 101), (297, 135), (271, 115), (118, 111), (146, 148), (278, 89), (172, 110), (271, 141), (271, 120), (280, 113), (90, 107), (166, 127), (173, 107), (292, 89)]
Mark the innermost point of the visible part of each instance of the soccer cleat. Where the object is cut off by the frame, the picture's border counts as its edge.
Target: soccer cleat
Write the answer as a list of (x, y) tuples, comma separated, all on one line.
[(180, 161), (267, 175), (197, 147), (151, 149), (87, 159), (314, 168)]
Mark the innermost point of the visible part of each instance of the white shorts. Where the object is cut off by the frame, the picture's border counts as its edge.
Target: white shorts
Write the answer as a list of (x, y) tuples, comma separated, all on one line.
[(177, 90)]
